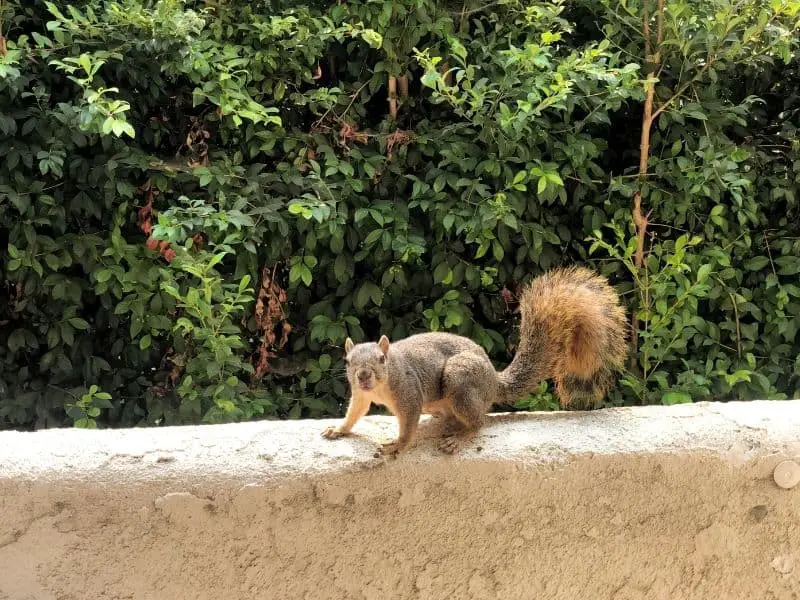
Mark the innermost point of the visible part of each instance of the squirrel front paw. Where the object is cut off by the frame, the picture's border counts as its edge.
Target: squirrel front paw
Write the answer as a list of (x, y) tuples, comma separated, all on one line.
[(332, 433)]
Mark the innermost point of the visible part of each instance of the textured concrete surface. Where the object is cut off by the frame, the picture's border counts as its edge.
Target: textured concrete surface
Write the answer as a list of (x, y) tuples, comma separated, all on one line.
[(652, 502)]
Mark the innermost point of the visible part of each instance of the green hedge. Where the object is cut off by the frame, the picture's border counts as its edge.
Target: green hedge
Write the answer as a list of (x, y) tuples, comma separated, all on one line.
[(201, 200)]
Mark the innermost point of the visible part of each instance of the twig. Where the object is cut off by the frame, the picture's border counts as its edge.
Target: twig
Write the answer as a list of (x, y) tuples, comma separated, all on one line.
[(353, 98), (711, 60), (465, 13), (738, 326), (769, 253)]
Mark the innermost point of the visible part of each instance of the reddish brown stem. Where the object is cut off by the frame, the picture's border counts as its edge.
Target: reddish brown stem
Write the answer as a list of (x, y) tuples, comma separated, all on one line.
[(448, 76), (402, 86), (393, 96), (639, 218)]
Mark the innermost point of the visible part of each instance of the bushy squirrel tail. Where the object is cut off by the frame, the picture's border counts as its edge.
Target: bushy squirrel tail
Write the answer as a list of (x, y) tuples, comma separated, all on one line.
[(573, 330)]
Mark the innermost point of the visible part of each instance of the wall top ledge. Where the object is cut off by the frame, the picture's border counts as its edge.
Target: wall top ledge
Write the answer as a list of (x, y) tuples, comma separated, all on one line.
[(257, 452)]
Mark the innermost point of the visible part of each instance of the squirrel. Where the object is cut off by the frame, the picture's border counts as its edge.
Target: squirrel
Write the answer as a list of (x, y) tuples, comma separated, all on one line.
[(573, 330)]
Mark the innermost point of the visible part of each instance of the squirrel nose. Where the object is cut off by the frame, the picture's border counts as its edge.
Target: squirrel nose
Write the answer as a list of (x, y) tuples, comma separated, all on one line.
[(363, 375)]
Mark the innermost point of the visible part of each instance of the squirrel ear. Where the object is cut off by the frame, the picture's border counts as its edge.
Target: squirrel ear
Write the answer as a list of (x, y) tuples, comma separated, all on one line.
[(383, 344), (348, 346)]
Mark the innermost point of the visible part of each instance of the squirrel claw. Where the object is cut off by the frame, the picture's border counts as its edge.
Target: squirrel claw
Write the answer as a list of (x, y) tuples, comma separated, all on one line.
[(451, 444), (332, 433), (391, 449)]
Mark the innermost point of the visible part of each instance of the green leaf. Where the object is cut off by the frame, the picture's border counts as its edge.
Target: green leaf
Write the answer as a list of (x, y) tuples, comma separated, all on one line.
[(368, 291), (325, 362), (340, 268), (305, 275), (554, 178), (703, 272), (453, 318), (144, 342), (671, 398), (788, 265), (757, 263), (300, 272), (16, 340), (52, 262), (102, 275), (440, 272), (67, 334), (78, 323), (373, 236), (107, 126), (53, 337)]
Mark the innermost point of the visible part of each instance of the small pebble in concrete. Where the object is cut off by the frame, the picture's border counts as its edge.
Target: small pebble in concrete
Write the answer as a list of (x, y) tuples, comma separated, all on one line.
[(758, 512), (783, 564), (787, 474)]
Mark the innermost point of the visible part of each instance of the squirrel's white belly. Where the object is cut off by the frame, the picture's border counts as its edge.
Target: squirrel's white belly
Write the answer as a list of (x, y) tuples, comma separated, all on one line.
[(382, 396)]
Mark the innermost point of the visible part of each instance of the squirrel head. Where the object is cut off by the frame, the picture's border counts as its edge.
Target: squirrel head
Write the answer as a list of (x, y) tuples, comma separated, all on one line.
[(367, 363)]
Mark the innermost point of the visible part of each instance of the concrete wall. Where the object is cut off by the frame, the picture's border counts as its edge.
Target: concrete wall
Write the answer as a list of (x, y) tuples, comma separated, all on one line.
[(672, 503)]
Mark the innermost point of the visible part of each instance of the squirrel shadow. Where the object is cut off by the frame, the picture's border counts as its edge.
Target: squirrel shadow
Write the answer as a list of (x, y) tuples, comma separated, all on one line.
[(433, 427)]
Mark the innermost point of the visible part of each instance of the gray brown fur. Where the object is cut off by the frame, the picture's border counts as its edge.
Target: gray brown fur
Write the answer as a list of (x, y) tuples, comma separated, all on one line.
[(572, 330)]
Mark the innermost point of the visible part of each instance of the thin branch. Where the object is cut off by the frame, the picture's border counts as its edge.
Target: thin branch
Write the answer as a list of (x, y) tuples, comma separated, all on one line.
[(769, 253), (353, 98), (660, 34), (639, 218), (711, 60), (465, 13), (646, 32), (738, 325)]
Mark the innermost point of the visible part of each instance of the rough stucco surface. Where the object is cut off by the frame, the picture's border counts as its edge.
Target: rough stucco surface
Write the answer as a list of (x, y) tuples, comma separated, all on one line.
[(652, 502)]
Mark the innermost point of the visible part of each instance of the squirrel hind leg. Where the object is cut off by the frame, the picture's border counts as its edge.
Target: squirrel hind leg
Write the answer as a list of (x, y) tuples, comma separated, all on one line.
[(470, 383), (469, 413)]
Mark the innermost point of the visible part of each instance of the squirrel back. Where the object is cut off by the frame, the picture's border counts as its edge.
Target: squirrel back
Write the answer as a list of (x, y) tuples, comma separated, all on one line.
[(573, 330)]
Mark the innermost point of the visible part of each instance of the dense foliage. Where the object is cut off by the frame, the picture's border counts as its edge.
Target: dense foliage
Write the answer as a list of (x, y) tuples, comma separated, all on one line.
[(200, 200)]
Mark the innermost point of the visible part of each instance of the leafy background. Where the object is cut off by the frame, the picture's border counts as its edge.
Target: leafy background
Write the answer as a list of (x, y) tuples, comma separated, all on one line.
[(200, 200)]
